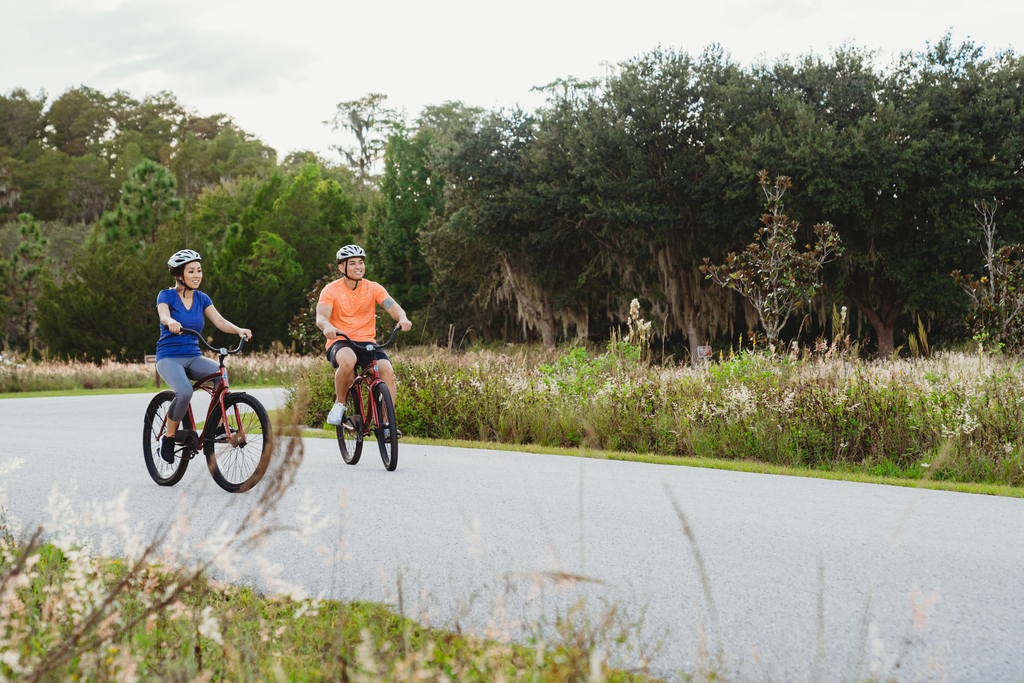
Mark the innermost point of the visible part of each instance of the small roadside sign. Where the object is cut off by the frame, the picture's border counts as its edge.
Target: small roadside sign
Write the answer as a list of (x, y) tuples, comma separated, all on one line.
[(150, 359), (703, 352)]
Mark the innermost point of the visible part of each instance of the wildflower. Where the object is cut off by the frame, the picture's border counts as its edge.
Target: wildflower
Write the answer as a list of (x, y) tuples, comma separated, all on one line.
[(208, 626)]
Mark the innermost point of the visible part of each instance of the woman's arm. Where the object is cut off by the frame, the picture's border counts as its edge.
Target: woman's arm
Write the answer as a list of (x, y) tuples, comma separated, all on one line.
[(222, 324), (164, 311)]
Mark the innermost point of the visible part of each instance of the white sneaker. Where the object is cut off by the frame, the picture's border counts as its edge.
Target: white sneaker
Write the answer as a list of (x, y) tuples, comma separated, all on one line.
[(337, 414)]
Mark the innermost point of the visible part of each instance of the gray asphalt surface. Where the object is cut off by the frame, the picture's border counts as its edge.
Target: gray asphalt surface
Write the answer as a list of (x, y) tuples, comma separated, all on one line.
[(918, 585)]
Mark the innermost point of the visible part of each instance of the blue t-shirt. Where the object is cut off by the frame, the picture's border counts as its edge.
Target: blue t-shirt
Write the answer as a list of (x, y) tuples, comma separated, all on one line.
[(181, 345)]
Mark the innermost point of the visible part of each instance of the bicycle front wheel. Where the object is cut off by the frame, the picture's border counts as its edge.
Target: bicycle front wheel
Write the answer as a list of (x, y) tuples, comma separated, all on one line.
[(238, 462), (350, 431), (163, 472), (387, 435)]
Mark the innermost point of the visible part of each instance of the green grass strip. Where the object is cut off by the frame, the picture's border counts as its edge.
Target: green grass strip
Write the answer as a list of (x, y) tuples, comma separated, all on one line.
[(711, 463)]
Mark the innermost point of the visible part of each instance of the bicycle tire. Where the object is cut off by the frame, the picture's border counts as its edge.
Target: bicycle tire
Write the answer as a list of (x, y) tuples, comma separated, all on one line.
[(386, 411), (162, 472), (238, 467), (350, 431)]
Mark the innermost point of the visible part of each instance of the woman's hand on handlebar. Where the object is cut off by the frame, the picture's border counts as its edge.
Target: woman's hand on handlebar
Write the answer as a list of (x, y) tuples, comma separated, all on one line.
[(173, 326), (245, 333)]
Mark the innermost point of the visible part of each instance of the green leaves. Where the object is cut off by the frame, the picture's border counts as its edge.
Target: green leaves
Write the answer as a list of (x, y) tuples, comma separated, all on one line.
[(149, 200), (771, 274)]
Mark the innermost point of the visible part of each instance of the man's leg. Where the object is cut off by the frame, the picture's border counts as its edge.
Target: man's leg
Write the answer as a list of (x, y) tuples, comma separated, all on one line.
[(346, 360)]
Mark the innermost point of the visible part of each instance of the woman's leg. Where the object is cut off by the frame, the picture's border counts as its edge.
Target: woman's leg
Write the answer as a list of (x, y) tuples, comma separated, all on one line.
[(172, 371), (201, 366)]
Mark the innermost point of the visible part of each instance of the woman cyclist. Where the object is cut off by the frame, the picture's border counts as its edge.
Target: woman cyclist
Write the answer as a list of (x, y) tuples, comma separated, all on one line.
[(177, 355)]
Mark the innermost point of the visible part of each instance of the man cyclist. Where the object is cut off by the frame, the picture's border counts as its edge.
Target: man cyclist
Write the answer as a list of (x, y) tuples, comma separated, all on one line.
[(347, 305)]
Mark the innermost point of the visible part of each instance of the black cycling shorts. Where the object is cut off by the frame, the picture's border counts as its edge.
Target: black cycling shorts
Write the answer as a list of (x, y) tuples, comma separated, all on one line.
[(363, 357)]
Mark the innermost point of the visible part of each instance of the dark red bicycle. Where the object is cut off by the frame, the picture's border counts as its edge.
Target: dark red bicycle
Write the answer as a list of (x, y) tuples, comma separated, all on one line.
[(369, 409), (236, 436)]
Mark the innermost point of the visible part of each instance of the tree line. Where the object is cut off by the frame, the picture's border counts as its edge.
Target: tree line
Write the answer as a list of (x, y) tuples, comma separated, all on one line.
[(515, 225)]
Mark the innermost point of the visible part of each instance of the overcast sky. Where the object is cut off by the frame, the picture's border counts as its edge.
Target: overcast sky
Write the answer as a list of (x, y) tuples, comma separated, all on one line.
[(281, 67)]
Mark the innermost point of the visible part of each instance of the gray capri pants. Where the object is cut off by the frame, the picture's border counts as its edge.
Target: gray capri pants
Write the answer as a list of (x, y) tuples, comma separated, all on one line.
[(176, 372)]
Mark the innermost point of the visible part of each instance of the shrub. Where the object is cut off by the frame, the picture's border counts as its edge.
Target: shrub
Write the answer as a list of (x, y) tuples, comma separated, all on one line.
[(887, 417)]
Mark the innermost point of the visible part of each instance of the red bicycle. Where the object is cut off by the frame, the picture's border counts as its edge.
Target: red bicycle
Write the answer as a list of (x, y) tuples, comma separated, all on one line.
[(237, 447), (363, 415)]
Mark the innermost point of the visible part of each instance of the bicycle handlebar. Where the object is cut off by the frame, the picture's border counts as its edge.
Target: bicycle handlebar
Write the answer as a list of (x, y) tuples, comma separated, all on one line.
[(222, 350), (368, 345)]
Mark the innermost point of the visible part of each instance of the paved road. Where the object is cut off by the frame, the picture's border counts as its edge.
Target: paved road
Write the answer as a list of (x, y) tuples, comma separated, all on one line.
[(939, 575)]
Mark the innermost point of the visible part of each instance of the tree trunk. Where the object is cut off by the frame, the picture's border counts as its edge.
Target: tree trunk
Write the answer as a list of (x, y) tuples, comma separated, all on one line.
[(547, 324), (691, 316), (883, 320), (538, 313)]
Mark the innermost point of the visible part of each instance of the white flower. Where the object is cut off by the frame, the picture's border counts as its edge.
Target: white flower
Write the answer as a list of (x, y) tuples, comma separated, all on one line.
[(208, 626)]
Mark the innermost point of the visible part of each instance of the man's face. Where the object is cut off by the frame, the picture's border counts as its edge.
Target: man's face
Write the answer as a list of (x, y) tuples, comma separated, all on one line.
[(356, 267)]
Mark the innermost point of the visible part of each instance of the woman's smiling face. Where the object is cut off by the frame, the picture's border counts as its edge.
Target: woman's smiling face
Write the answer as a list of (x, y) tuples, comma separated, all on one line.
[(193, 274)]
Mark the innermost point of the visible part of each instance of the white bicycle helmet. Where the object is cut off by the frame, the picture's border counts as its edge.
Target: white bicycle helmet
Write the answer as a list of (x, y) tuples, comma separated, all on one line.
[(350, 251), (182, 257)]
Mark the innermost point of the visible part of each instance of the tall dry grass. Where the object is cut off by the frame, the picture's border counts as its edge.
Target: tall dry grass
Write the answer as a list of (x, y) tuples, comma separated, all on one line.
[(815, 410), (260, 368)]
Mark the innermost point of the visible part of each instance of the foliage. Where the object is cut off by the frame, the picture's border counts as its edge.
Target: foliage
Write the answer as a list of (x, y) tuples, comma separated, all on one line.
[(284, 242), (223, 631), (364, 118), (543, 225), (94, 313), (27, 275), (149, 200), (958, 416), (271, 368), (998, 298), (771, 273), (410, 198), (307, 337)]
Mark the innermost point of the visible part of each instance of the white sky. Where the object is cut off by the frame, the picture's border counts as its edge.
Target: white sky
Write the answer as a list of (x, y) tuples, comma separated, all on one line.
[(281, 67)]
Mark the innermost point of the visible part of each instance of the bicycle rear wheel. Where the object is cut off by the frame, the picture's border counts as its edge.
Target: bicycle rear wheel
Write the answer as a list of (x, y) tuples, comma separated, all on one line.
[(350, 431), (163, 473), (239, 462), (387, 435)]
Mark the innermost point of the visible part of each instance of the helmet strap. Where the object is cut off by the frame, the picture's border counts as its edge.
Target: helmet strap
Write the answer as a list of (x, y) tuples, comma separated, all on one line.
[(182, 281), (344, 273)]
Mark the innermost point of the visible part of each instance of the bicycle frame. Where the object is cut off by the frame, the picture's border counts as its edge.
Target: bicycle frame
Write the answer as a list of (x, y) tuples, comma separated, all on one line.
[(217, 395), (368, 378)]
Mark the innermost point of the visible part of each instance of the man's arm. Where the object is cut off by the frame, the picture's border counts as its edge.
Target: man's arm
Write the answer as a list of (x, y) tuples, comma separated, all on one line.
[(323, 320), (396, 312)]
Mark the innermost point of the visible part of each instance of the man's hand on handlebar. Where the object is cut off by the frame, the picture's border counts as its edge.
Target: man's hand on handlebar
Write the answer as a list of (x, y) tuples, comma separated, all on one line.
[(330, 331), (405, 324)]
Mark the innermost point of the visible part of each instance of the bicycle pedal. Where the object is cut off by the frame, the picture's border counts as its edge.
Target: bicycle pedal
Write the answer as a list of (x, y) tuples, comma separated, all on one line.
[(187, 438)]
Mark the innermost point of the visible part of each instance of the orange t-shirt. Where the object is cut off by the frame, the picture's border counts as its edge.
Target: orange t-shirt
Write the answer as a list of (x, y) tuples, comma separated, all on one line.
[(352, 311)]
